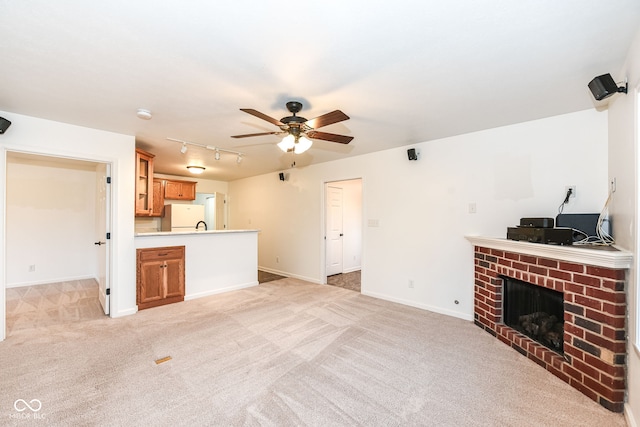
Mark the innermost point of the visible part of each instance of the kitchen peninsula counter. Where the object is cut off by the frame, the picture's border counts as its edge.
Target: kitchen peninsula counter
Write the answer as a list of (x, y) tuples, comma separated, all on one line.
[(182, 233), (216, 261)]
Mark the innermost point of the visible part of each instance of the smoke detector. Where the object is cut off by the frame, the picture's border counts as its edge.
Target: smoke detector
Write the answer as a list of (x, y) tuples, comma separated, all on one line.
[(144, 114)]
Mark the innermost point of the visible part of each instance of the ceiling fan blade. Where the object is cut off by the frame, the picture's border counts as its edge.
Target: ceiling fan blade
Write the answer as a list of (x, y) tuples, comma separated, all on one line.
[(327, 119), (261, 116), (255, 134), (342, 139)]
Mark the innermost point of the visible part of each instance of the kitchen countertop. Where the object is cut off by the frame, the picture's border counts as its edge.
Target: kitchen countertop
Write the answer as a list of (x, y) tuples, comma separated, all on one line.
[(178, 233)]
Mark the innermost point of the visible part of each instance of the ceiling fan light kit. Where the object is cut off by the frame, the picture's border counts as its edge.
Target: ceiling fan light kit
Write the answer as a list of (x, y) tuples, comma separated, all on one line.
[(298, 130)]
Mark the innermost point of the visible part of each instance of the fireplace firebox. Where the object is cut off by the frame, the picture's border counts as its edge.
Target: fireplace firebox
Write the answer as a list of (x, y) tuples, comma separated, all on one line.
[(534, 311)]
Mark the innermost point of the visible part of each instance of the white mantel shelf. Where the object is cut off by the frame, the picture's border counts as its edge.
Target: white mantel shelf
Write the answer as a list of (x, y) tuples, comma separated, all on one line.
[(608, 257)]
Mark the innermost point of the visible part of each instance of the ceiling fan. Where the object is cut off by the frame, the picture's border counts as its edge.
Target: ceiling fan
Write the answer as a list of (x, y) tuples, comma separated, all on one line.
[(298, 130)]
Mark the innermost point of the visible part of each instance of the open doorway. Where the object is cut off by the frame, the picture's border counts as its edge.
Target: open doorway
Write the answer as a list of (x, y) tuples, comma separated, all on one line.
[(343, 233), (57, 253)]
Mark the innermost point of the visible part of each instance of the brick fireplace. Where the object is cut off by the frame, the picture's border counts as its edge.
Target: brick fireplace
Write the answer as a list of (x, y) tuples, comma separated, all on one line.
[(592, 282)]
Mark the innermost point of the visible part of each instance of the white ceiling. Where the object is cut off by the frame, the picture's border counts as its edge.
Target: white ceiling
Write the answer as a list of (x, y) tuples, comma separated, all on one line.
[(405, 72)]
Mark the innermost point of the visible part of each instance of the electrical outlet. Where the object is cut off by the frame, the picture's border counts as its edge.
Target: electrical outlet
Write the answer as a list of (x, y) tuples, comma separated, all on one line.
[(613, 185), (410, 283), (472, 207), (573, 190), (32, 268), (277, 259)]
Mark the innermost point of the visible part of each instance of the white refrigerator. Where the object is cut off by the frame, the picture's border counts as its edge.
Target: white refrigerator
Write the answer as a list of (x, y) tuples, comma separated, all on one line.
[(181, 217)]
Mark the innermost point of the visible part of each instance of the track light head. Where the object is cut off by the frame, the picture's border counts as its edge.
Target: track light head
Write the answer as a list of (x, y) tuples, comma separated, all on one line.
[(183, 149), (239, 159), (217, 156)]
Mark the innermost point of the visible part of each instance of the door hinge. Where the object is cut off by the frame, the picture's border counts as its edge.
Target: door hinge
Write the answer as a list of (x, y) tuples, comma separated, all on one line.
[(108, 236), (108, 180), (108, 291)]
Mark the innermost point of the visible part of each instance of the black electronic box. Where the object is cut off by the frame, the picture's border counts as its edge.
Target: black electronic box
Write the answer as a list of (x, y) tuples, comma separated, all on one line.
[(536, 222), (546, 235)]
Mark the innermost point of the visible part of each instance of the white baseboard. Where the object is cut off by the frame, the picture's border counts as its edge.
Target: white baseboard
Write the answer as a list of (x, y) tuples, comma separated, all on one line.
[(47, 281), (434, 309), (220, 291), (352, 269), (628, 416), (122, 313), (287, 274)]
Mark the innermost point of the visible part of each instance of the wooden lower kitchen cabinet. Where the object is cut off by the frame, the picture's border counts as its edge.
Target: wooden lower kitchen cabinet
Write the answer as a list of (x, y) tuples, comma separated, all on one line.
[(159, 276)]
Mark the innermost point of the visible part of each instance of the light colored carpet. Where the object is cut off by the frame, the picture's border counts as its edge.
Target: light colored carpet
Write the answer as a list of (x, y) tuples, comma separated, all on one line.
[(283, 353), (40, 306)]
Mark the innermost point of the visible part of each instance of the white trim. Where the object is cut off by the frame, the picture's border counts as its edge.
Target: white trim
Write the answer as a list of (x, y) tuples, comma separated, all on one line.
[(615, 259), (50, 281), (628, 416), (294, 276), (427, 307), (220, 291), (122, 313)]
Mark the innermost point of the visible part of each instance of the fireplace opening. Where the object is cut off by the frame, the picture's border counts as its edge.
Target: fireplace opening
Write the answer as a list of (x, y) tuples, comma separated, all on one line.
[(534, 311)]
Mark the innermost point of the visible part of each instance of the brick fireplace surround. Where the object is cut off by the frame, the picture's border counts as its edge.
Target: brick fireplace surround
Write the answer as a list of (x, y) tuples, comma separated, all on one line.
[(593, 285)]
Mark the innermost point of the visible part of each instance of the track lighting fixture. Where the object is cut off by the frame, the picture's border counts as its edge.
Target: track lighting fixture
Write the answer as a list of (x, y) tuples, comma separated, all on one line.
[(218, 150), (239, 159)]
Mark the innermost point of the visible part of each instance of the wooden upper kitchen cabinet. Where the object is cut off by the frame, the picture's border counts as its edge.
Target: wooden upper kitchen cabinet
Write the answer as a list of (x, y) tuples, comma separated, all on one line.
[(158, 197), (144, 183), (159, 276), (179, 190)]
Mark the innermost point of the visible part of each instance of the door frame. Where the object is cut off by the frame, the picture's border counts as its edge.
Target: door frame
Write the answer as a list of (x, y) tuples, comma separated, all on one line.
[(323, 227), (3, 223)]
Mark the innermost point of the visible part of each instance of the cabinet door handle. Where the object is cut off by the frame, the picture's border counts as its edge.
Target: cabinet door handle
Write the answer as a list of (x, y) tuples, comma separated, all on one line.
[(163, 254)]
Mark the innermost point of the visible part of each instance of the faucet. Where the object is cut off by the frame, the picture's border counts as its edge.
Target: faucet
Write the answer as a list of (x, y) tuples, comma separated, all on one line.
[(201, 222)]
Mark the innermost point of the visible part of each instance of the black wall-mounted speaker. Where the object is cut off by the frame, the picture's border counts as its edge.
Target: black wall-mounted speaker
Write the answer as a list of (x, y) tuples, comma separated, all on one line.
[(4, 124), (281, 175), (412, 154), (603, 86)]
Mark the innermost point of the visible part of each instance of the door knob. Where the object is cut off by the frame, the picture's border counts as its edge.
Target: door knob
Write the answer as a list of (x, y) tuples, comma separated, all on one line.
[(100, 243)]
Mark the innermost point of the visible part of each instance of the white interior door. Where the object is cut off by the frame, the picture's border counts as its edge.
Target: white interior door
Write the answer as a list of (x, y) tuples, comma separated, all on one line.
[(102, 244), (334, 230)]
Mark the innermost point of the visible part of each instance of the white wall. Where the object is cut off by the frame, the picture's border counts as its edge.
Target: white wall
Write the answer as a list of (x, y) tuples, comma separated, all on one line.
[(623, 165), (51, 213), (422, 206), (32, 135)]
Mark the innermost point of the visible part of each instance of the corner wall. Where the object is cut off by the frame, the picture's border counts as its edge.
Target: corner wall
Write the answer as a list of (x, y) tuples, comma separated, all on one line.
[(422, 207), (38, 136), (623, 166)]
